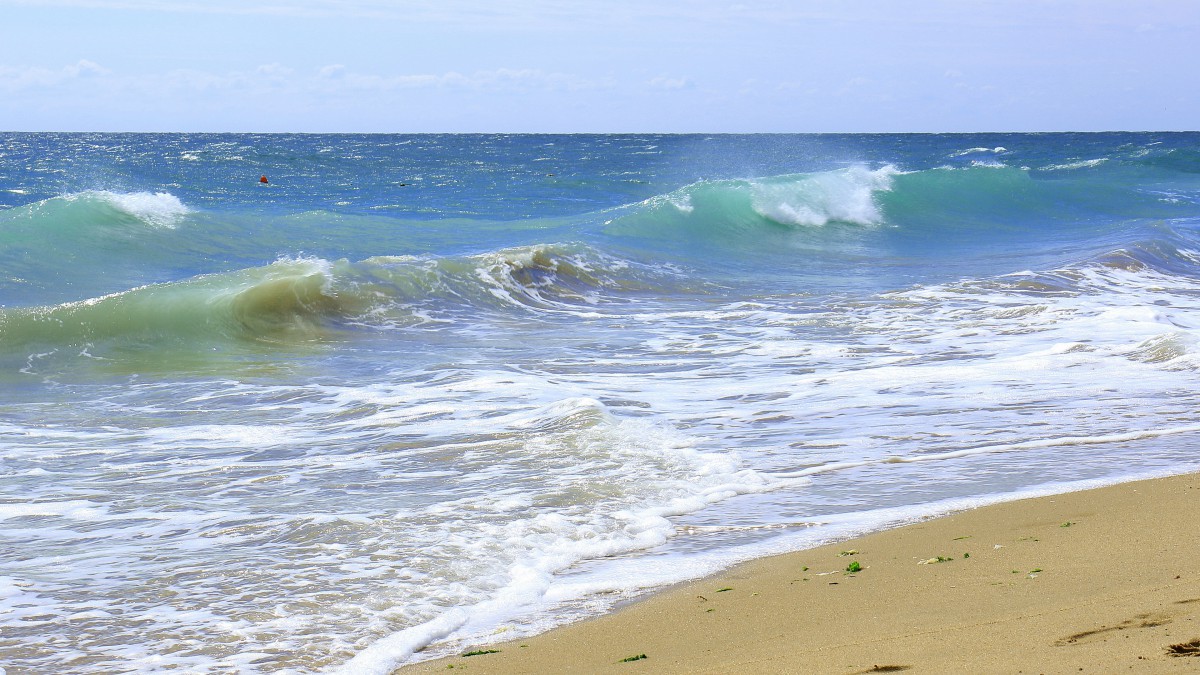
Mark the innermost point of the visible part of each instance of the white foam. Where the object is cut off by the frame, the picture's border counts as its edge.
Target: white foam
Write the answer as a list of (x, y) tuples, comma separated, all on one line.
[(682, 202), (161, 209), (594, 451), (77, 509), (384, 655), (846, 195), (971, 151), (1081, 164)]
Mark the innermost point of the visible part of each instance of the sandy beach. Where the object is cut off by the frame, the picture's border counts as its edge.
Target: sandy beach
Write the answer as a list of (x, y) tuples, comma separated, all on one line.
[(1105, 580)]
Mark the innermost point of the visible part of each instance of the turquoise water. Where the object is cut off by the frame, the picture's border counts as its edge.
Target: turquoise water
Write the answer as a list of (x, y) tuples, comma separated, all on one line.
[(423, 391)]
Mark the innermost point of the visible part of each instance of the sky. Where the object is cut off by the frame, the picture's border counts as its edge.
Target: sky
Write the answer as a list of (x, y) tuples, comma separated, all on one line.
[(563, 66)]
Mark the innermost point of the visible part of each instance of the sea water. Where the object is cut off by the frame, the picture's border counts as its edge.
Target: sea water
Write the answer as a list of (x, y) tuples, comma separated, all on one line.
[(421, 392)]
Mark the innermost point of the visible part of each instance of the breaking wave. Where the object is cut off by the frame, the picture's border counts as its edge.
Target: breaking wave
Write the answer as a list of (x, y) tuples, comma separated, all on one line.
[(306, 299)]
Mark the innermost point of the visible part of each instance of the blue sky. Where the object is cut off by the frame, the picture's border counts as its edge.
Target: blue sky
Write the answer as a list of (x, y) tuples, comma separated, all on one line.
[(601, 66)]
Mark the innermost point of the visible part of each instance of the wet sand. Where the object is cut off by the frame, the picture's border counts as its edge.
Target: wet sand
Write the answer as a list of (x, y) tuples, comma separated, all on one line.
[(1101, 581)]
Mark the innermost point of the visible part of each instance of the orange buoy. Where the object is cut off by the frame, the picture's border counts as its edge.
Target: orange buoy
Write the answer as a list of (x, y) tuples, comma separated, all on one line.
[(263, 179)]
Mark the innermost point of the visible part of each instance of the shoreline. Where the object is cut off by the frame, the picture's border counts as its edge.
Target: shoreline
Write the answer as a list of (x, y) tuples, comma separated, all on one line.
[(1102, 580)]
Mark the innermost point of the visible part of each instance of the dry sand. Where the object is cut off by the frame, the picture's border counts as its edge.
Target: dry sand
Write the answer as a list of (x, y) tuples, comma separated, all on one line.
[(1102, 581)]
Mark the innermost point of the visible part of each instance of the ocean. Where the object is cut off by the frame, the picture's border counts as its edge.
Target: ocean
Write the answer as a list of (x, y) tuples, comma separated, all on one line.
[(417, 393)]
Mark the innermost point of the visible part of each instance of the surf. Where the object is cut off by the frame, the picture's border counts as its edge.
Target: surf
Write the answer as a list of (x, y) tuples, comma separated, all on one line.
[(429, 390)]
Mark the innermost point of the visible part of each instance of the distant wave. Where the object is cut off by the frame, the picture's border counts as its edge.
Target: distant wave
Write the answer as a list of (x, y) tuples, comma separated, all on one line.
[(86, 228), (1079, 195), (1079, 164), (760, 212), (974, 151), (160, 209), (801, 200), (98, 209), (845, 196), (1184, 160), (96, 241), (744, 210)]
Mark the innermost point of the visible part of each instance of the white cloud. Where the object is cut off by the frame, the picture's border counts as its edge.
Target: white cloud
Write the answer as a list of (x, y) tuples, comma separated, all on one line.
[(498, 80), (276, 77), (333, 71), (460, 12), (671, 83), (267, 77), (854, 85), (274, 70), (15, 78), (84, 68), (583, 64)]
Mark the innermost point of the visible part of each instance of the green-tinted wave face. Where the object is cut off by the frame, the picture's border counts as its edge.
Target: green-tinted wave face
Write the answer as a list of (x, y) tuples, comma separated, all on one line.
[(947, 200), (92, 211), (67, 247), (311, 300), (800, 206), (728, 209), (860, 213), (285, 301), (1186, 160)]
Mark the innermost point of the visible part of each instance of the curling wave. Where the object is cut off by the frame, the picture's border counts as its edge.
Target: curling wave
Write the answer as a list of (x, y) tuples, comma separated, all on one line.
[(97, 210), (723, 209), (761, 213), (303, 299), (284, 299)]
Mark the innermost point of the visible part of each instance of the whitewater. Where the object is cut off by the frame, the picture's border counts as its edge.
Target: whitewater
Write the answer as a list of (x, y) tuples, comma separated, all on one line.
[(424, 392)]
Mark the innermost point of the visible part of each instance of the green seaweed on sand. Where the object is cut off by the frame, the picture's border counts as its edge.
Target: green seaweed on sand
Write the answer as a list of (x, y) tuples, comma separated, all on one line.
[(853, 567), (627, 659), (480, 652)]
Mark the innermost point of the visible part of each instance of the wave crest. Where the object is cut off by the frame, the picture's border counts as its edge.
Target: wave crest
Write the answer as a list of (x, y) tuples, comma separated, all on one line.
[(755, 212), (160, 209), (299, 300), (813, 200), (91, 216)]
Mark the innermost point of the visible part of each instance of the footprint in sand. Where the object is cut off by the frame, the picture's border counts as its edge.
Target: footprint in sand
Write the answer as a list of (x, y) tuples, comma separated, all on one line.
[(1138, 621), (1185, 648)]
